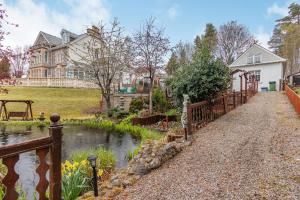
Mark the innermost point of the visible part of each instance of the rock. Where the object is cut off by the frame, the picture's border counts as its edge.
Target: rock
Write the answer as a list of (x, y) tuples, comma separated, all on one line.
[(130, 171), (116, 183), (155, 163), (140, 169), (114, 177), (149, 159), (109, 186)]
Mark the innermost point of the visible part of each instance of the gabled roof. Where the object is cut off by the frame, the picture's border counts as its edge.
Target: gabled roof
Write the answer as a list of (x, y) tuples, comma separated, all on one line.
[(272, 58), (51, 39)]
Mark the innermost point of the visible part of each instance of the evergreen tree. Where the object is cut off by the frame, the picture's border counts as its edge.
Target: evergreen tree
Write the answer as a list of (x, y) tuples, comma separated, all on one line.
[(276, 40), (285, 40), (210, 37), (204, 77), (4, 68), (172, 64)]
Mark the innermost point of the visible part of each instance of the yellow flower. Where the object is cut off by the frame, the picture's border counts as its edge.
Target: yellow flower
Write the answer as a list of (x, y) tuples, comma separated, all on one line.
[(84, 162), (100, 172), (68, 165), (75, 165)]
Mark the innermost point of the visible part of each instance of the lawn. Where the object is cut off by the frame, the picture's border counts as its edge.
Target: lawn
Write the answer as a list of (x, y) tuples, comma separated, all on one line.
[(70, 103)]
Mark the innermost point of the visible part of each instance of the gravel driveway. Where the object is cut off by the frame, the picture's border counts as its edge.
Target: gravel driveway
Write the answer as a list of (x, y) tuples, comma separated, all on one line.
[(253, 152)]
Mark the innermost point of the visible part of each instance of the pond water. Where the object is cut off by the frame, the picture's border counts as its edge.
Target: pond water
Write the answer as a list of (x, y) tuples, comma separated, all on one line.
[(74, 138)]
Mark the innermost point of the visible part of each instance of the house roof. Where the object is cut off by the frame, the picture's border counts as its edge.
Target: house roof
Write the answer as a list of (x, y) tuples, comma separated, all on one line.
[(51, 39), (273, 58)]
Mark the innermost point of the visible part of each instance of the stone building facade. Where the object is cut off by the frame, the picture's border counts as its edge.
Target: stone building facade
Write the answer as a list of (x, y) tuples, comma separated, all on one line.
[(49, 55)]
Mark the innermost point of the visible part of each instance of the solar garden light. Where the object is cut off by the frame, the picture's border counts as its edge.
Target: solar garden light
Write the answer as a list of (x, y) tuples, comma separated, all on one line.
[(92, 159)]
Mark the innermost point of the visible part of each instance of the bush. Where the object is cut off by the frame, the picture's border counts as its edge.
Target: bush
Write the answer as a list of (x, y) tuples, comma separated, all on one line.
[(106, 160), (204, 78), (116, 113), (172, 112), (128, 119), (136, 105), (159, 100)]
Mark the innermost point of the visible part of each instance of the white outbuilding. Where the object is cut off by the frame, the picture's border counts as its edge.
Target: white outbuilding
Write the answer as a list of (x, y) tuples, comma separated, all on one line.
[(263, 64)]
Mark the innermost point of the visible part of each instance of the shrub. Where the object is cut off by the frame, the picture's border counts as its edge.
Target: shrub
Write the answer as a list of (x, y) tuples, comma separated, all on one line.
[(136, 105), (159, 100), (172, 112), (106, 160), (128, 119), (116, 113), (204, 78)]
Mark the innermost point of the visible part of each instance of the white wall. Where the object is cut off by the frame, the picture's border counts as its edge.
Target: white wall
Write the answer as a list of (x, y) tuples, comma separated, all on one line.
[(269, 72)]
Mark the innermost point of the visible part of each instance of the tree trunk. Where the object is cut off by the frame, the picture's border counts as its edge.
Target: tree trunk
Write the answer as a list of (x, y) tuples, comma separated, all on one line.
[(150, 98), (107, 101)]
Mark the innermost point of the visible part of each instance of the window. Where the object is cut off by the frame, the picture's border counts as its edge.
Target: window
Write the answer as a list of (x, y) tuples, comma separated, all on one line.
[(250, 59), (253, 59), (257, 58), (256, 74), (46, 57)]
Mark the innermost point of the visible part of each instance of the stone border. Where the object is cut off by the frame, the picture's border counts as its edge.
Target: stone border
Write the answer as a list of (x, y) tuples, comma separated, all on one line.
[(151, 156)]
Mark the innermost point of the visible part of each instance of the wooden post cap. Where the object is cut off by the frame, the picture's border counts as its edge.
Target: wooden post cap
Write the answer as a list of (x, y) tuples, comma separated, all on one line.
[(54, 118)]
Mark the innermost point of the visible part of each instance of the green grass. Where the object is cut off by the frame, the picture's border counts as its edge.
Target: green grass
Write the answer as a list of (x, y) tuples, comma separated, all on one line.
[(106, 160), (70, 103), (107, 125)]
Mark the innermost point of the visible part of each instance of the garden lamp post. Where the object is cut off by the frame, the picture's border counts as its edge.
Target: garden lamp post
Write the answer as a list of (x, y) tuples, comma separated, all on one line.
[(92, 160)]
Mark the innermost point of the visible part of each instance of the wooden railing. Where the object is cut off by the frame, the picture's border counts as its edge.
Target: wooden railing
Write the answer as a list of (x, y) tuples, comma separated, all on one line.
[(52, 144), (201, 113), (293, 97)]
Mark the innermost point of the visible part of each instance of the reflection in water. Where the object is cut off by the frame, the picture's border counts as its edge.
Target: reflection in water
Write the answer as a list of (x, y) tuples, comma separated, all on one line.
[(74, 139)]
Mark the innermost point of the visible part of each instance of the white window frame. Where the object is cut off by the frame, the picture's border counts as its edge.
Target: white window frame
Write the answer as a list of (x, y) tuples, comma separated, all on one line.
[(259, 58)]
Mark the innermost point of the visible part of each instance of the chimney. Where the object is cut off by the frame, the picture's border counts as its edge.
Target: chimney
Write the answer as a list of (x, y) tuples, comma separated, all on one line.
[(94, 31)]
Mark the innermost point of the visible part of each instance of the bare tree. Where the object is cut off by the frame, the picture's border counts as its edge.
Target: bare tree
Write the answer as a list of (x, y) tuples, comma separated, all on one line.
[(151, 47), (19, 60), (103, 56), (233, 40), (4, 51)]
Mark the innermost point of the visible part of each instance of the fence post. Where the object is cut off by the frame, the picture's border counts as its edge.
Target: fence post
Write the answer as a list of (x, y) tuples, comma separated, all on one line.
[(55, 131), (224, 103), (246, 90), (234, 104), (189, 118)]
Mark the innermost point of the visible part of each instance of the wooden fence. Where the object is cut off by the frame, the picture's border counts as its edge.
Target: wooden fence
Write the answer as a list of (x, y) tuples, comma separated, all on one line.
[(201, 113), (293, 97), (52, 144)]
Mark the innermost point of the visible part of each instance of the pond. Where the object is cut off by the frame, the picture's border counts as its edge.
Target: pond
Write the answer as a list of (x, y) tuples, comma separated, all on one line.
[(74, 139)]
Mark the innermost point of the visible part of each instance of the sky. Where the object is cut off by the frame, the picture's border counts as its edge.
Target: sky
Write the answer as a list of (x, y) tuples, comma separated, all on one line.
[(182, 19)]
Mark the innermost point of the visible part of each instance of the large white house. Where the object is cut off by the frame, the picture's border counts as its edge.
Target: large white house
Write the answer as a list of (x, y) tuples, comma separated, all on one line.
[(265, 65)]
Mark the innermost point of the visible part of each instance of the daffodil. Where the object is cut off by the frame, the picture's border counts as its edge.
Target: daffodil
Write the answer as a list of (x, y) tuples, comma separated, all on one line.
[(100, 172)]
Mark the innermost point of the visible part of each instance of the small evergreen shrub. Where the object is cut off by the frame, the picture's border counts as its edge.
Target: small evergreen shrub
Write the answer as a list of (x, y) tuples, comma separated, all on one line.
[(159, 100), (136, 105)]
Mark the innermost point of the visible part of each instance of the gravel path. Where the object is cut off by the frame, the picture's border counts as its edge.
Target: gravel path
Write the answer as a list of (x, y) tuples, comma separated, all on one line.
[(253, 152)]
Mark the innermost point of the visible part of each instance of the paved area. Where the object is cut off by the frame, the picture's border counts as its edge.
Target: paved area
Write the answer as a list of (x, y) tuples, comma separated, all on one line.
[(253, 152)]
